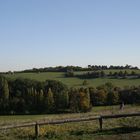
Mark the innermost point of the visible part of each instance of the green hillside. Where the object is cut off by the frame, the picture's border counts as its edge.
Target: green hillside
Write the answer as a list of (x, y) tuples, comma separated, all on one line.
[(73, 81)]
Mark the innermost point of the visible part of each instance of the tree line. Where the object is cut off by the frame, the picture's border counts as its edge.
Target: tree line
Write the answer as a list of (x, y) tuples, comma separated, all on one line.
[(76, 68), (25, 96), (104, 67), (102, 74)]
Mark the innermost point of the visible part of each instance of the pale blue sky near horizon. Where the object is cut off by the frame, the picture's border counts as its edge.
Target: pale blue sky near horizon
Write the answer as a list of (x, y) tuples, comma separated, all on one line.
[(43, 33)]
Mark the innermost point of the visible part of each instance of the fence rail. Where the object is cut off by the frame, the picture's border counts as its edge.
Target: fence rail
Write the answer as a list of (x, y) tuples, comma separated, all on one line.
[(45, 122)]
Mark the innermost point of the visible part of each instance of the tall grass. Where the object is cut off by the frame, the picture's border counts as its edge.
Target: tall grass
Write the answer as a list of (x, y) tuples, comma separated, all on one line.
[(112, 128)]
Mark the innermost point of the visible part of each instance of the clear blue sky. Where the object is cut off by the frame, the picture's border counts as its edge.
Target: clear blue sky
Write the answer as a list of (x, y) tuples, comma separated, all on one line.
[(41, 33)]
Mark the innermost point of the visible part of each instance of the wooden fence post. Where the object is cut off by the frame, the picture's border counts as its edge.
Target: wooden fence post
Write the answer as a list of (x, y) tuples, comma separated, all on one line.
[(36, 130), (101, 123)]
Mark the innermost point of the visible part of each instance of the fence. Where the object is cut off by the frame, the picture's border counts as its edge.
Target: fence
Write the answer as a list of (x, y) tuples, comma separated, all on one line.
[(37, 124)]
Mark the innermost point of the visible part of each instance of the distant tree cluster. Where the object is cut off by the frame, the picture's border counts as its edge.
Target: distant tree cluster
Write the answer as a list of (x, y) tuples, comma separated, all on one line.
[(90, 75), (104, 67), (69, 73), (102, 74), (74, 68), (57, 69), (124, 74), (24, 96)]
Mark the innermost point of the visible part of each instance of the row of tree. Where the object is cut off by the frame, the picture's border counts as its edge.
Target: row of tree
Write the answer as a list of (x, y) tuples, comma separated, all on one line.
[(75, 68), (24, 96), (102, 74), (104, 67)]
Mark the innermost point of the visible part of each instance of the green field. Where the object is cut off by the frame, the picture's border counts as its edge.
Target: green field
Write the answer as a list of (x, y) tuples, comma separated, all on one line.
[(76, 81), (117, 129)]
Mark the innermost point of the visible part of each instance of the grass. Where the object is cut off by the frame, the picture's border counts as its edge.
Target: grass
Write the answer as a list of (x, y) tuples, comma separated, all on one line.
[(76, 82), (117, 129)]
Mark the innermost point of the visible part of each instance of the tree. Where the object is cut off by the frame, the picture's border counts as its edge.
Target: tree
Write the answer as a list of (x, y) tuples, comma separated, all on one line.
[(112, 98), (84, 100), (56, 86), (4, 95), (120, 74), (62, 101), (102, 74), (79, 100), (100, 97), (133, 73), (69, 73), (58, 89), (92, 92), (110, 73), (74, 100), (4, 88), (50, 101), (85, 82)]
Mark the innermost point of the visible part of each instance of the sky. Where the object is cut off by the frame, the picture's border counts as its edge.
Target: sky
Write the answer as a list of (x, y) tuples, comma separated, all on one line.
[(43, 33)]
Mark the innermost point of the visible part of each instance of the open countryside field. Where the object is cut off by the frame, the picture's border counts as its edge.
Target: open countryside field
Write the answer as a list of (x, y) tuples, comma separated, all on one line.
[(60, 76), (117, 129)]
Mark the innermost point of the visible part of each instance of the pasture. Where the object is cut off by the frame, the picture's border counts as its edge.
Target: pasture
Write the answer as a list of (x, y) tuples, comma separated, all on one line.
[(117, 129), (76, 82)]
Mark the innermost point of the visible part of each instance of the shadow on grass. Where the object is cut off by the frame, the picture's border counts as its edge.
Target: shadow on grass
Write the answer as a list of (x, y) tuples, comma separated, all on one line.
[(120, 130)]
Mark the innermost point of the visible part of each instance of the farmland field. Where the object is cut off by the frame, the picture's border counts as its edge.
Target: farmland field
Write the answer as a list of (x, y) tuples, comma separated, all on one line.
[(117, 129), (76, 81)]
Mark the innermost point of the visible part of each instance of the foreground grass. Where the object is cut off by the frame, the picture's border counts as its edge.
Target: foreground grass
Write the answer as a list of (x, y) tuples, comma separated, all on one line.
[(118, 129)]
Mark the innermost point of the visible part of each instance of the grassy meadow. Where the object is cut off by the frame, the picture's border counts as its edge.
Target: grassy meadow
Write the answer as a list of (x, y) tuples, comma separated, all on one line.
[(118, 129), (76, 82)]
